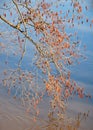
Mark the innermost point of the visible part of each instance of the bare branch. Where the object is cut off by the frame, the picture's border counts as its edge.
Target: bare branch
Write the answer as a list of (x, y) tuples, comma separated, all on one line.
[(20, 14)]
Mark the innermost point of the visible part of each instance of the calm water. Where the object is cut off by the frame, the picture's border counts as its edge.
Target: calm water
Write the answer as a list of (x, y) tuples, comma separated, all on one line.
[(82, 73)]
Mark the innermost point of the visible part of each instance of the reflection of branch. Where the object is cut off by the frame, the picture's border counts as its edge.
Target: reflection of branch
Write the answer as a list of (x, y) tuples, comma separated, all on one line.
[(23, 53)]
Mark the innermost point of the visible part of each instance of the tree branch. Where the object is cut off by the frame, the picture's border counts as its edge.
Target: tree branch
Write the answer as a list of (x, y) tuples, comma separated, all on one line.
[(30, 39)]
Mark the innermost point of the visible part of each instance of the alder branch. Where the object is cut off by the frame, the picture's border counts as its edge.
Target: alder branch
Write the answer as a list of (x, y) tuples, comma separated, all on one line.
[(20, 14), (17, 27), (31, 9)]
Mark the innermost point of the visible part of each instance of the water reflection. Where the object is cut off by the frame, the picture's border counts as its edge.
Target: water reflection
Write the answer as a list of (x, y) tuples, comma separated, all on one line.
[(83, 73), (64, 123)]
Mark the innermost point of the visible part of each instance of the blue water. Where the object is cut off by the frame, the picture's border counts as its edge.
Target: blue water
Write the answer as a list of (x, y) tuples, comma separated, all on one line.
[(82, 73)]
